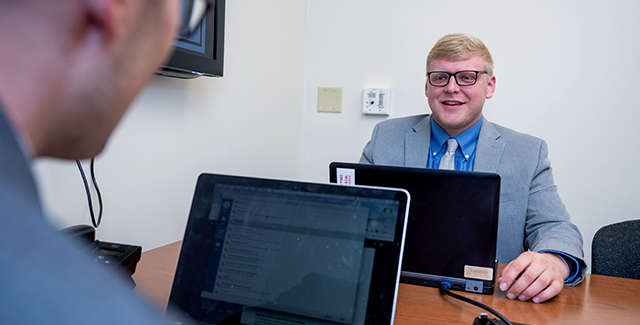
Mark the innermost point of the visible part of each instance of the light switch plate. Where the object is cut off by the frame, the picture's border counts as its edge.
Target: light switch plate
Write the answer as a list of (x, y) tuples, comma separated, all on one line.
[(330, 99), (376, 101)]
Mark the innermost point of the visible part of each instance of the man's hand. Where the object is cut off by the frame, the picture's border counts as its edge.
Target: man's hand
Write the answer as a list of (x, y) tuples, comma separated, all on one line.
[(535, 276)]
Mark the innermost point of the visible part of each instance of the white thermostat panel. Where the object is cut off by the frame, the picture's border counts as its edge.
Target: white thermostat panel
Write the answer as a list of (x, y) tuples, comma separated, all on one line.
[(376, 101)]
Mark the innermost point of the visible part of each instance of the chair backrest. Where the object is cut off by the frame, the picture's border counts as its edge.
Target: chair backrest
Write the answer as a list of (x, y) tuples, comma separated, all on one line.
[(615, 250)]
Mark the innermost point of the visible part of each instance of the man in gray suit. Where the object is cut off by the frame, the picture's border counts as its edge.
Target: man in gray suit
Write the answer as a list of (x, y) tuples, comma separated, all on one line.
[(535, 235), (69, 70)]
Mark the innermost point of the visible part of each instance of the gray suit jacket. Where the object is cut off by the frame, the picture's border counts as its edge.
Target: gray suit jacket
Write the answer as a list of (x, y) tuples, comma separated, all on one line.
[(45, 278), (532, 215)]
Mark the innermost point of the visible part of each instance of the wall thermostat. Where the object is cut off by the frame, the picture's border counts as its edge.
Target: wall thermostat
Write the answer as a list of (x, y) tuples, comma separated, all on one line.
[(376, 101)]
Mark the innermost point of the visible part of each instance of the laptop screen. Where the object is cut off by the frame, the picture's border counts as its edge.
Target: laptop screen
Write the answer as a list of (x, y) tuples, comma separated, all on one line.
[(453, 222), (260, 251)]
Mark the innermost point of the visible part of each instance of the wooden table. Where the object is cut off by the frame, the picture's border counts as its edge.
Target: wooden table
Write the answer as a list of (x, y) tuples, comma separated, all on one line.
[(597, 300)]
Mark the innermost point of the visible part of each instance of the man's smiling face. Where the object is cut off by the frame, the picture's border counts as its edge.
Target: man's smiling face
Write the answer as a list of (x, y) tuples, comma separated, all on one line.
[(456, 108)]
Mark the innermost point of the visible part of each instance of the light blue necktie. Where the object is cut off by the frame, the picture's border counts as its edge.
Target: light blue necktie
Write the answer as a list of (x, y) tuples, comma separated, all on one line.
[(448, 160)]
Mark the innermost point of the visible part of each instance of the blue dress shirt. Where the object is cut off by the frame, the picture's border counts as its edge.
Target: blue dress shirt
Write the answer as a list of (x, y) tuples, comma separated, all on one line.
[(466, 152)]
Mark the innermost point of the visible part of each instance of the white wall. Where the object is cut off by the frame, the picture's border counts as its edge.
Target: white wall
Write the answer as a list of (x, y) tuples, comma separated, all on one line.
[(248, 123), (566, 72)]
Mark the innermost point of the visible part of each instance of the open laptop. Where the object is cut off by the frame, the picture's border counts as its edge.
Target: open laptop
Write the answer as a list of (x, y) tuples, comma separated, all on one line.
[(262, 251), (453, 222)]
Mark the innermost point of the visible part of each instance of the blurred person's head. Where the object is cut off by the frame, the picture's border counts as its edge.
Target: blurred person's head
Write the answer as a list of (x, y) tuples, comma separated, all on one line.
[(71, 68)]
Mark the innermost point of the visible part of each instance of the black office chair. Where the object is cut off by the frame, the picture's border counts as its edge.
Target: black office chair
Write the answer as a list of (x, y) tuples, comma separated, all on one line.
[(615, 250)]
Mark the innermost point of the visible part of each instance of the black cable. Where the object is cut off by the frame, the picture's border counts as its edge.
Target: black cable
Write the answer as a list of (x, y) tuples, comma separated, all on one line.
[(444, 288), (95, 185), (86, 187)]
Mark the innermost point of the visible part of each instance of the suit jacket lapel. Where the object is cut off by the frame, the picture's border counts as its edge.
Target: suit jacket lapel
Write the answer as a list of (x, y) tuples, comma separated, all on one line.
[(489, 149), (416, 145)]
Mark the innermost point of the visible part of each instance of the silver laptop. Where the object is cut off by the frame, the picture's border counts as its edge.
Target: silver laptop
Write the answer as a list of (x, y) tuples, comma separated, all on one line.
[(453, 222), (262, 251)]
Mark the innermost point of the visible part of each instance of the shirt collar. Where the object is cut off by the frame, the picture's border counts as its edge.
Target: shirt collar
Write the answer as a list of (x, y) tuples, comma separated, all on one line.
[(467, 140)]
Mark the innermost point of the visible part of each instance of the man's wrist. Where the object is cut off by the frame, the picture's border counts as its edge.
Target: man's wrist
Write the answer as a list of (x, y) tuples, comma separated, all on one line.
[(570, 262), (561, 265)]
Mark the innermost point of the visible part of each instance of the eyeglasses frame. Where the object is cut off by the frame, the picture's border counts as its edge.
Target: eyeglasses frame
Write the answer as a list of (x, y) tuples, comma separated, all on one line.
[(454, 75)]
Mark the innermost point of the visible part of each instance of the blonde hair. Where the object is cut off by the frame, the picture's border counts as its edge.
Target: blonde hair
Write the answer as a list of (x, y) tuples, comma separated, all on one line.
[(460, 46)]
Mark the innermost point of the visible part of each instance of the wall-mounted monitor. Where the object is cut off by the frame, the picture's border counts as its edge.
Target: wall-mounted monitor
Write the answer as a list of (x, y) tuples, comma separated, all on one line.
[(201, 53)]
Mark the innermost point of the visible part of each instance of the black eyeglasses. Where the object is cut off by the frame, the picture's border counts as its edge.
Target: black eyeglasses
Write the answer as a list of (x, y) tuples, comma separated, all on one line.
[(192, 13), (463, 78)]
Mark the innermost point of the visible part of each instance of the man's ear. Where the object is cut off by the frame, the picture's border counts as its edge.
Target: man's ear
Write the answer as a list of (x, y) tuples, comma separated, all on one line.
[(106, 15), (491, 87)]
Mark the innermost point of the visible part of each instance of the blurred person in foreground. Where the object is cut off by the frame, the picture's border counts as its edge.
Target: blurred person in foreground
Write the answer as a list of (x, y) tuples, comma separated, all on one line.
[(69, 69)]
